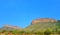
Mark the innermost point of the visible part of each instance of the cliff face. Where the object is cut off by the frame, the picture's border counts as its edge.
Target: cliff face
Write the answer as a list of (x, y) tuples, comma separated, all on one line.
[(43, 20)]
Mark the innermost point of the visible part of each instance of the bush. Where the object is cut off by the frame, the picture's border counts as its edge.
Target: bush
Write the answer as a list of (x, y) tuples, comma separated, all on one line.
[(47, 32)]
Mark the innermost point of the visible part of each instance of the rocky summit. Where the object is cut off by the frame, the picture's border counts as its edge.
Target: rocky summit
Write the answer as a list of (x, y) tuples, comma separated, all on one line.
[(9, 28), (43, 20), (13, 27)]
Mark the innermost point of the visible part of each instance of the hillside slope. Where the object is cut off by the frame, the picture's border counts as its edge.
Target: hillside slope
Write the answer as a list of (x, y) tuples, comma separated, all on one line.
[(41, 27)]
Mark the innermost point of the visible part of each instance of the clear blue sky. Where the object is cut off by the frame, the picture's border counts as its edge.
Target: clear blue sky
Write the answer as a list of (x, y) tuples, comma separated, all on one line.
[(22, 12)]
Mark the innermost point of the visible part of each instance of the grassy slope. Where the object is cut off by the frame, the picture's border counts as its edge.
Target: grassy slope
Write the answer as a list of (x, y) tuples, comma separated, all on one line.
[(42, 26)]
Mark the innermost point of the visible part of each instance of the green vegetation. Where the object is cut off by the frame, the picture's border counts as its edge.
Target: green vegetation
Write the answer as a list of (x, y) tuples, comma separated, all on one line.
[(42, 27), (39, 28)]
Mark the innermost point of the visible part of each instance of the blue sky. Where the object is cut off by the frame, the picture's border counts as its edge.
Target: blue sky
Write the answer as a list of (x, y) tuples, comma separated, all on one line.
[(22, 12)]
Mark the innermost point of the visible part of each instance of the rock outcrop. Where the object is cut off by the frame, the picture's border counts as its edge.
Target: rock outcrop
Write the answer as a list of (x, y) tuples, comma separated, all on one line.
[(12, 27), (43, 20)]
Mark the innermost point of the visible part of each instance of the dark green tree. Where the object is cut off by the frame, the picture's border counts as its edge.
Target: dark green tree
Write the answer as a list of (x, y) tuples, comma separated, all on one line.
[(47, 32)]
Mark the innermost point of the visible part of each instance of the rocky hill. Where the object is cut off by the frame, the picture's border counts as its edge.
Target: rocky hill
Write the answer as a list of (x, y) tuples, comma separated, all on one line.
[(13, 27), (9, 28), (45, 20), (43, 24)]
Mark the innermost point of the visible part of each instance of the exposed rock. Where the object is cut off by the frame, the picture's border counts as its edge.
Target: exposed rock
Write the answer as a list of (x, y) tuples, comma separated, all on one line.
[(12, 27), (43, 20)]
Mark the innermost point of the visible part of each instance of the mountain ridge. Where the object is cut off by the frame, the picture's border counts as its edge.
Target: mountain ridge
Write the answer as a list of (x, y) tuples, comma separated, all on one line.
[(36, 26)]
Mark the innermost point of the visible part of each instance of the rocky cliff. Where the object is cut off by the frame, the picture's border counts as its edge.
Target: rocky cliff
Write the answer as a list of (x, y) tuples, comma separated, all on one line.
[(40, 20)]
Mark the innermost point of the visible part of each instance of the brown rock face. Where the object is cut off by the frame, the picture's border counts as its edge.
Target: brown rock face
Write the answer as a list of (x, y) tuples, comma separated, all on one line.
[(9, 26), (43, 20)]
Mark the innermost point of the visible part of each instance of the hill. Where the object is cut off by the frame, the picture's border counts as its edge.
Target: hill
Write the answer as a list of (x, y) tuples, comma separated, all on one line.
[(38, 25), (41, 27), (9, 28), (43, 24)]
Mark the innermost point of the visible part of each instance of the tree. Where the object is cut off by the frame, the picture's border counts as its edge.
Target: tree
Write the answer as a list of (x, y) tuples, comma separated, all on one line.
[(47, 32), (58, 20)]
